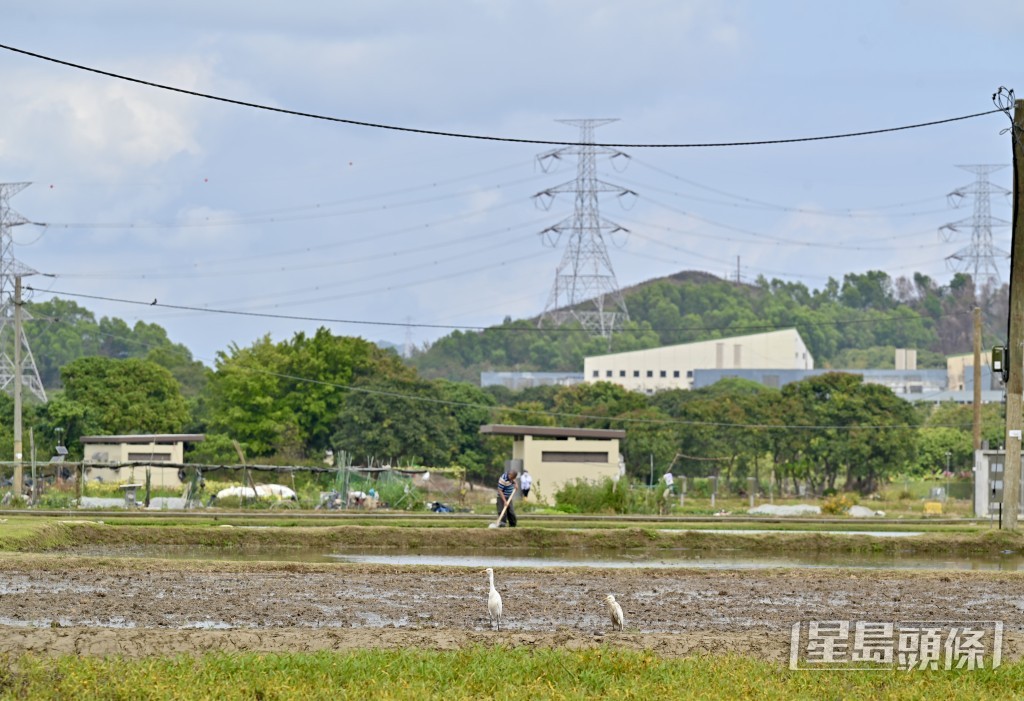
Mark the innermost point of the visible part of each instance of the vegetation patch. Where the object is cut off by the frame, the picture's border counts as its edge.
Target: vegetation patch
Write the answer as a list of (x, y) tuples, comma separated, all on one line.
[(477, 672), (47, 535)]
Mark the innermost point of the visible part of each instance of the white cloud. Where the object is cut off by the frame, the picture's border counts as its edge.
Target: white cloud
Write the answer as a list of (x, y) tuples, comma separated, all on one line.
[(98, 128)]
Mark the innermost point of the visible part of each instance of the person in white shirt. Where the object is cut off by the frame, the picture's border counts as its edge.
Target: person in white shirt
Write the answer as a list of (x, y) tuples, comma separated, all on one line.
[(667, 494), (525, 482)]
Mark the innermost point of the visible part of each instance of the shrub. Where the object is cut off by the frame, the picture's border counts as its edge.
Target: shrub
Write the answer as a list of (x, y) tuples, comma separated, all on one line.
[(606, 496), (837, 504)]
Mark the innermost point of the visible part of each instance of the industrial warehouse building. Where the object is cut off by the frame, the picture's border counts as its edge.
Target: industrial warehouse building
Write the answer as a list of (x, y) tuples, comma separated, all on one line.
[(556, 456), (673, 367)]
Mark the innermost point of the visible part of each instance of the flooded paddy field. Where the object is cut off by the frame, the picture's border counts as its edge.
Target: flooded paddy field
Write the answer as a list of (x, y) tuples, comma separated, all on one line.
[(481, 557), (99, 589), (140, 606)]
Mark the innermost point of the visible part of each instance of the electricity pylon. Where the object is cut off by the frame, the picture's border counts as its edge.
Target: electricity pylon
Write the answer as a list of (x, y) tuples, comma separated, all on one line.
[(585, 288), (979, 258), (11, 333)]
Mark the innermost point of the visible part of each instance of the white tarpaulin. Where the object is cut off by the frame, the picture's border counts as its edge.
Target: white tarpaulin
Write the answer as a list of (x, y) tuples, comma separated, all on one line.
[(262, 490)]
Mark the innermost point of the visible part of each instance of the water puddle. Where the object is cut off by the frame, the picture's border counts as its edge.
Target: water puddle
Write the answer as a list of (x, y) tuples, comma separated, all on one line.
[(738, 560), (568, 557), (873, 534)]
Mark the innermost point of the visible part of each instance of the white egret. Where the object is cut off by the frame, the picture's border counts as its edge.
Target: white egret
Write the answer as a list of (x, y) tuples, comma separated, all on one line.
[(493, 601), (614, 611)]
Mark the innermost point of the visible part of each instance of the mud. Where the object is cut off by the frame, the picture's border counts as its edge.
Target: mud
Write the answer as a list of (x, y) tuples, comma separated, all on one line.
[(89, 606)]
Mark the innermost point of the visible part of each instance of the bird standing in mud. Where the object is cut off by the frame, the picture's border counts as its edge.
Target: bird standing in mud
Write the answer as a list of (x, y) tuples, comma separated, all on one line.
[(493, 601), (614, 611)]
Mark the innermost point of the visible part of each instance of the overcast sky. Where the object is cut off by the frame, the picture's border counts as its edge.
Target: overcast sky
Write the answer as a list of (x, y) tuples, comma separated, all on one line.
[(156, 195)]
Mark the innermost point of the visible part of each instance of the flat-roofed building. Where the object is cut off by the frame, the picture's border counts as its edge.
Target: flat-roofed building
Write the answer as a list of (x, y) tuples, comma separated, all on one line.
[(672, 367), (556, 456), (129, 455)]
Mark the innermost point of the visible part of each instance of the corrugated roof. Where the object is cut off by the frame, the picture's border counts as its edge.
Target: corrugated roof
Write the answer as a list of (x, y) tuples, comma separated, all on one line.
[(147, 438), (552, 431)]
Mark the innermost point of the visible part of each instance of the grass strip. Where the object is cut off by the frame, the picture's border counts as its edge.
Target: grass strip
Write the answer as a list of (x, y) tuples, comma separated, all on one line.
[(474, 673)]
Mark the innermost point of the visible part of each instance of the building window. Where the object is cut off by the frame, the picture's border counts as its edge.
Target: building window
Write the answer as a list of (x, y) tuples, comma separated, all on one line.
[(650, 373), (689, 374), (608, 373), (597, 373), (155, 457), (675, 373), (622, 373), (664, 373), (636, 373), (556, 456)]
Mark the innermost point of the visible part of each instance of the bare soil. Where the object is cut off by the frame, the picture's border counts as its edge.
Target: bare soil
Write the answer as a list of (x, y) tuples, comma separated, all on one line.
[(91, 606)]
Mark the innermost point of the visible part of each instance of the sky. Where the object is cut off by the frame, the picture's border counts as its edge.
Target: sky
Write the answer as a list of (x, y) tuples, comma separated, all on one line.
[(224, 214)]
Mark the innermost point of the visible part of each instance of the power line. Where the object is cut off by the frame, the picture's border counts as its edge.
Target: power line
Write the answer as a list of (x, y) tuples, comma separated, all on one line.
[(482, 137), (514, 329), (840, 214), (754, 203), (512, 409), (273, 218), (566, 415)]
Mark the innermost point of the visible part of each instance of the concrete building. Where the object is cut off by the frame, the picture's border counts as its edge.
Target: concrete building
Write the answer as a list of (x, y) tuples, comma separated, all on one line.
[(522, 380), (142, 450), (556, 456), (673, 367), (912, 385), (960, 373)]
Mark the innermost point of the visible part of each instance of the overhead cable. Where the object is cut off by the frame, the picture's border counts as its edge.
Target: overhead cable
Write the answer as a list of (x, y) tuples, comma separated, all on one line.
[(482, 137)]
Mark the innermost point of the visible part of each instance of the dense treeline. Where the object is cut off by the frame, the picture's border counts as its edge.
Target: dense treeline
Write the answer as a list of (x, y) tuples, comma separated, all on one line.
[(852, 324), (294, 400)]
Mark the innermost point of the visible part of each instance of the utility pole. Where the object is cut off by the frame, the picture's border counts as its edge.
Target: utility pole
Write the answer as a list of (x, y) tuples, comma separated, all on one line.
[(977, 379), (1015, 381), (19, 474)]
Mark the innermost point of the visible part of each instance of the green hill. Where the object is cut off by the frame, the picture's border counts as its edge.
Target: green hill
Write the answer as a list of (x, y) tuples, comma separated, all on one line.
[(851, 323)]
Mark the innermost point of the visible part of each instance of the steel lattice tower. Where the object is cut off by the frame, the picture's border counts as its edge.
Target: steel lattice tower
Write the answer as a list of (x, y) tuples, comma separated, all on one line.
[(585, 288), (10, 268), (980, 257)]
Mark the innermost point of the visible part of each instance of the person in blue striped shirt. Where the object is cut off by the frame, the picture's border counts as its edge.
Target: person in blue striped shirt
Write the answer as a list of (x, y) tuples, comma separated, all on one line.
[(506, 490)]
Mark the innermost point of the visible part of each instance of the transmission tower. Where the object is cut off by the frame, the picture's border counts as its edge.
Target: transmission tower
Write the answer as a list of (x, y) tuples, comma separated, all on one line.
[(585, 288), (980, 257), (11, 268)]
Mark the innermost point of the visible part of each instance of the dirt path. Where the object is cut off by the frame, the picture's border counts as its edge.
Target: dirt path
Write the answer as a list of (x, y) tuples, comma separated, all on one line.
[(84, 606)]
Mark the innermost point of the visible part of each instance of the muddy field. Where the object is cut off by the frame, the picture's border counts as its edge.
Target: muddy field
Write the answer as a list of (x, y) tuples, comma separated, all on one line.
[(67, 605)]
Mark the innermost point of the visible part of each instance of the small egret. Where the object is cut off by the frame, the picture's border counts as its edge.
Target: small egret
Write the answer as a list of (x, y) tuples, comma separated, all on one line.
[(493, 601), (614, 611)]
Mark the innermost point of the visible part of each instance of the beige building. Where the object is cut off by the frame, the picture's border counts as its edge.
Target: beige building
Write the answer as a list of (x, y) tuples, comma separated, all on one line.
[(555, 456), (958, 367), (672, 367), (128, 456)]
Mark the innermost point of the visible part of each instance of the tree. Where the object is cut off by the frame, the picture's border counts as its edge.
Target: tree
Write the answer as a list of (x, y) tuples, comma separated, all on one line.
[(106, 396), (244, 399), (396, 418), (595, 405), (58, 333), (861, 428)]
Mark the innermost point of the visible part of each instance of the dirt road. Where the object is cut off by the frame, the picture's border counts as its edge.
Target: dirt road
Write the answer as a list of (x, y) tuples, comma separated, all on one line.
[(55, 605)]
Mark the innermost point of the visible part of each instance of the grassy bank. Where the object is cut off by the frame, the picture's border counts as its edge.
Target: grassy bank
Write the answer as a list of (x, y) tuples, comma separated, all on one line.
[(499, 673), (49, 535)]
